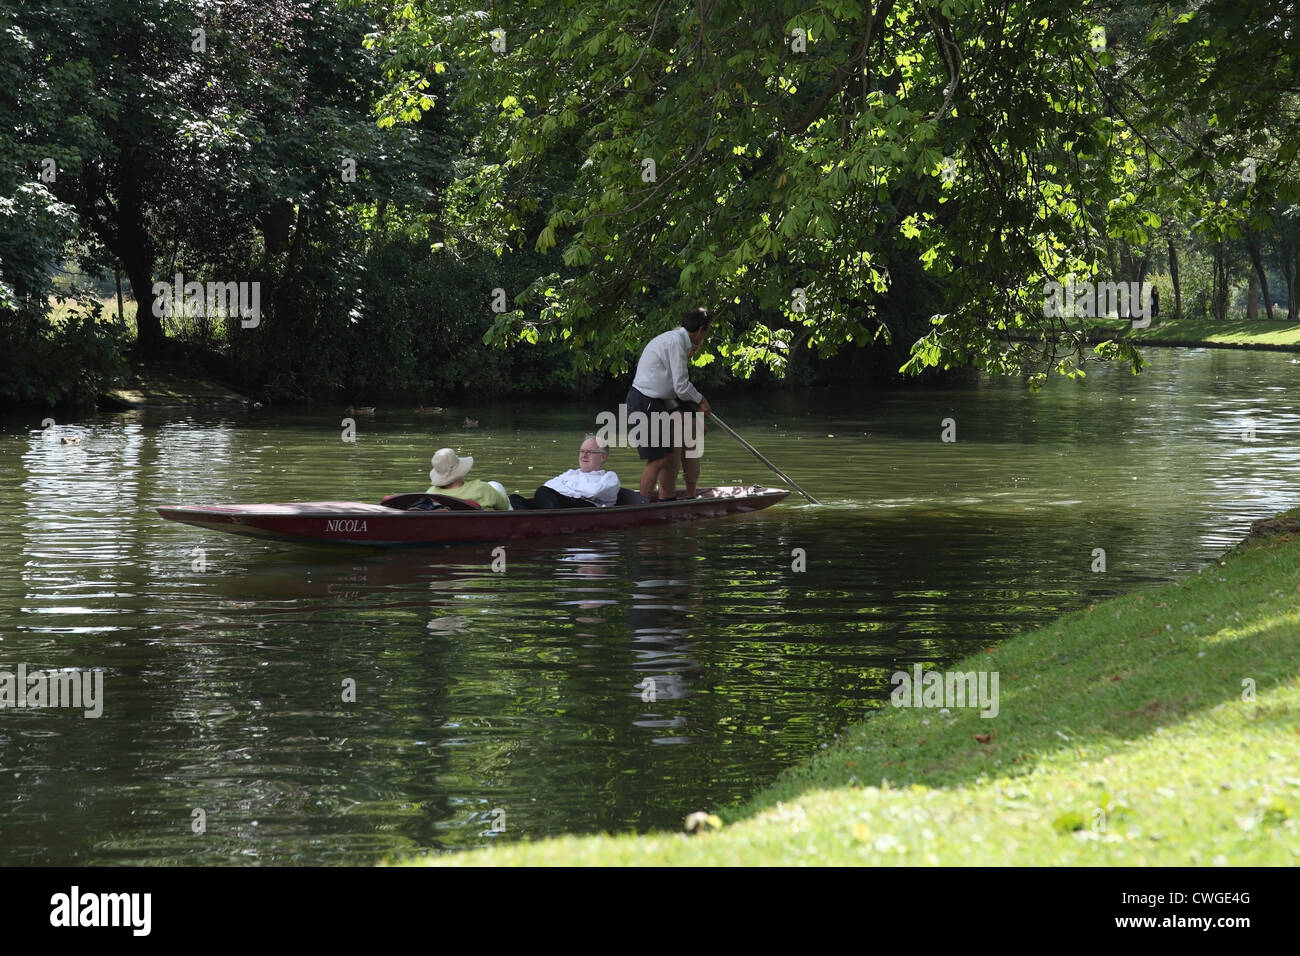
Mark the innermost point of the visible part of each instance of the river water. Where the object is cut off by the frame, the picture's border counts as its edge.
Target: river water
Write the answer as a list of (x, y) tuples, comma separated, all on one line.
[(610, 682)]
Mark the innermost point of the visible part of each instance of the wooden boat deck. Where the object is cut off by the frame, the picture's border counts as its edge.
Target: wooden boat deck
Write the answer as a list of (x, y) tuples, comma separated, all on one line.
[(376, 525)]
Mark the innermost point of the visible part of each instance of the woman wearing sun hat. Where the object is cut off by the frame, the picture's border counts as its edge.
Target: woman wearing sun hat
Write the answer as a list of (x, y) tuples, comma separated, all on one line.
[(448, 477)]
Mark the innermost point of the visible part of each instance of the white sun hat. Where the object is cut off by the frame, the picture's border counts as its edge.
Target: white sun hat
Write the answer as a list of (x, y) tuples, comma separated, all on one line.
[(448, 466)]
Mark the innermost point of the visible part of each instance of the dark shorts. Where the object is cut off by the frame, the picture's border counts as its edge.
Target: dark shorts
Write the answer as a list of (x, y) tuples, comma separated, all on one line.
[(636, 402)]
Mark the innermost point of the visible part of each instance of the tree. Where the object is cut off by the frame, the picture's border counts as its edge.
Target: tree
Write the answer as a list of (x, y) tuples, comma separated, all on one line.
[(217, 137), (34, 224), (1288, 257), (1258, 279), (758, 152)]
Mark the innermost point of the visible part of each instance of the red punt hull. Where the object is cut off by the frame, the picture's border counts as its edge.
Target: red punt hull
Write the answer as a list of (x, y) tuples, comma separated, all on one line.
[(377, 526)]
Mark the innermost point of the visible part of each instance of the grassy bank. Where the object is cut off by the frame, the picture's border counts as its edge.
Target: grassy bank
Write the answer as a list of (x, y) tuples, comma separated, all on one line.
[(1158, 728), (1235, 332)]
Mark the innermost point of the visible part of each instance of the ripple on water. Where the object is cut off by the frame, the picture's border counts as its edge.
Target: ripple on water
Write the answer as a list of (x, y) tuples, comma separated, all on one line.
[(332, 708)]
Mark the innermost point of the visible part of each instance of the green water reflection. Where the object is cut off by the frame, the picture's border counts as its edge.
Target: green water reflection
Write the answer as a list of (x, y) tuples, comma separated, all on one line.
[(607, 682)]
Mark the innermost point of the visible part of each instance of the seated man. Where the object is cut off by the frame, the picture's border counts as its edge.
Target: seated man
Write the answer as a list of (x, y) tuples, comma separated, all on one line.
[(588, 485), (448, 477)]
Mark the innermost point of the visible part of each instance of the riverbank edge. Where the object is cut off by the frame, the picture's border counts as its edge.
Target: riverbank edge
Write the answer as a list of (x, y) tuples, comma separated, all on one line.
[(1252, 333), (1097, 339), (1159, 727), (161, 384)]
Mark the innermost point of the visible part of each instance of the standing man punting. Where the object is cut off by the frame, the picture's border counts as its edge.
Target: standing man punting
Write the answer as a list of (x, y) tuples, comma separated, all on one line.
[(661, 382)]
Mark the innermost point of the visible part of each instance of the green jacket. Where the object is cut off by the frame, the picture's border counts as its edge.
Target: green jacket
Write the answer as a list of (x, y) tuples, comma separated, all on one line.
[(479, 492)]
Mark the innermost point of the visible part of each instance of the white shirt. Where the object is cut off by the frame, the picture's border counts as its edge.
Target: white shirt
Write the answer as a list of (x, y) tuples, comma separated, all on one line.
[(661, 373), (600, 486)]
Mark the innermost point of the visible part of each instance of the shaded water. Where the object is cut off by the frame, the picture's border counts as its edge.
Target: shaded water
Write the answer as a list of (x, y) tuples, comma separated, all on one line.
[(517, 697)]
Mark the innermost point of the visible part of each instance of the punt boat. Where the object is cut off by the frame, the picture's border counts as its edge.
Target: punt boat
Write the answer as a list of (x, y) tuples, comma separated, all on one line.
[(406, 521)]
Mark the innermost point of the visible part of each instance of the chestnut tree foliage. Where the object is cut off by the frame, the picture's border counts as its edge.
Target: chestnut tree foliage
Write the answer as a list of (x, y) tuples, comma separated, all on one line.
[(782, 161)]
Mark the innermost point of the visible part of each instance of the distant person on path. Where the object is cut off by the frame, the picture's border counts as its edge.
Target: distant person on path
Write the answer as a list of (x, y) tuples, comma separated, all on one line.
[(587, 486), (448, 477), (1155, 302), (661, 382)]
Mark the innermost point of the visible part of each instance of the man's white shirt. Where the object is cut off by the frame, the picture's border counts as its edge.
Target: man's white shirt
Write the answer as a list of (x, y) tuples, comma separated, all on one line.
[(662, 371), (600, 486)]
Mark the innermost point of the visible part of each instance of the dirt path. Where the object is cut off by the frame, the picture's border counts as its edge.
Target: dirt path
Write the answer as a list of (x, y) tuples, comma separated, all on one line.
[(158, 387)]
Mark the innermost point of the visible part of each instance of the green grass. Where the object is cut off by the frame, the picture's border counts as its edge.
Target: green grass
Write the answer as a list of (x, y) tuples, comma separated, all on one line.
[(1233, 331), (1133, 708), (182, 327), (60, 307)]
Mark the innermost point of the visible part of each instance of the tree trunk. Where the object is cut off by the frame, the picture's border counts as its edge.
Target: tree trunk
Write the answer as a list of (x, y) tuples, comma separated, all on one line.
[(276, 222), (1219, 288), (1257, 260), (148, 327), (1289, 273), (1252, 297), (280, 306), (1173, 274), (135, 250), (299, 240)]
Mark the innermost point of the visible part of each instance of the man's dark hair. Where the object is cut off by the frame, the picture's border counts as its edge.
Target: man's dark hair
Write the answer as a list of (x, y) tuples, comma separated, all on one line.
[(696, 319)]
